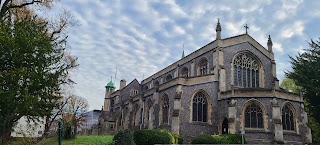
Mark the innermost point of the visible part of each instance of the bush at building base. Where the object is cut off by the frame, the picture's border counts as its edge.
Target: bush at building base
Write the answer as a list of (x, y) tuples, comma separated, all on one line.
[(217, 139), (151, 137), (123, 137)]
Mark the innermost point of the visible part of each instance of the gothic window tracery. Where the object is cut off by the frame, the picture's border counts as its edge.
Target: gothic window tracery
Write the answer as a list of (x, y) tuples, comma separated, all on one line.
[(165, 109), (287, 118), (253, 116), (199, 107), (184, 72), (203, 66), (245, 71)]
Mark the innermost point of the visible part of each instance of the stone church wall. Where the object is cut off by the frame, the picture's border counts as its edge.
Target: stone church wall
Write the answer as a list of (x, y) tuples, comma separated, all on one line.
[(189, 128)]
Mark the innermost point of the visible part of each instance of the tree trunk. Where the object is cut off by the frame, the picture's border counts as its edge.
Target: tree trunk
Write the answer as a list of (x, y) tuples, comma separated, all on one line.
[(75, 126), (7, 127)]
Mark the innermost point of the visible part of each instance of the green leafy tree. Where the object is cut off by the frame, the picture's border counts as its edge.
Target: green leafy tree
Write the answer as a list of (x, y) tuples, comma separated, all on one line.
[(289, 85), (306, 74), (34, 66)]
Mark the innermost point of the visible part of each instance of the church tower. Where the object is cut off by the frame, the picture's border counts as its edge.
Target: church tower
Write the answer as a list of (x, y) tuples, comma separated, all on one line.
[(109, 89)]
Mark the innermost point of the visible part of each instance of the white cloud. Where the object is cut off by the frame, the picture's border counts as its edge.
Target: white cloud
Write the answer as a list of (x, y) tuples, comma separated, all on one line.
[(277, 47), (289, 7), (292, 30), (143, 37)]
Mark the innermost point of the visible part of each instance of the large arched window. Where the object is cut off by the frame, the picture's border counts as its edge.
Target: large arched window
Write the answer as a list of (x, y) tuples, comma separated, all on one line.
[(245, 71), (165, 109), (203, 66), (287, 118), (184, 72), (199, 107), (253, 116)]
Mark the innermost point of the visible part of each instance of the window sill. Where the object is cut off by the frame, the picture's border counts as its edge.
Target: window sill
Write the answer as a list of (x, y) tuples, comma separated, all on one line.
[(255, 130), (200, 123), (165, 125), (290, 132)]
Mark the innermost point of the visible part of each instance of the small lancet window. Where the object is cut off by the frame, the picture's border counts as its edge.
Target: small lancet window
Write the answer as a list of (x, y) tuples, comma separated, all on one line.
[(245, 71), (111, 104)]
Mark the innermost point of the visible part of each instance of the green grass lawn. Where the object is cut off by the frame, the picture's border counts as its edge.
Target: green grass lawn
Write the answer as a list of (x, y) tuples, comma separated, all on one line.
[(80, 140)]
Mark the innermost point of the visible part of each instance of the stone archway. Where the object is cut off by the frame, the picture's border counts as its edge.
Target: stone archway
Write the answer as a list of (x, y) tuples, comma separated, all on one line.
[(224, 126)]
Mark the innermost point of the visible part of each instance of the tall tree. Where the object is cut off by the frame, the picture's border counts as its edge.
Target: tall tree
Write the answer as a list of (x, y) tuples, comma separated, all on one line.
[(33, 68), (306, 74), (74, 111)]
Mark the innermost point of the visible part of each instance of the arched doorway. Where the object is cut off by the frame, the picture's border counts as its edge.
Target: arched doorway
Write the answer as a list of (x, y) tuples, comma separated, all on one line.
[(225, 126)]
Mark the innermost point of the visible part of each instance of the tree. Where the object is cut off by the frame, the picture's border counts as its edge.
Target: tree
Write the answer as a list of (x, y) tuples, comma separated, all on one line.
[(305, 73), (289, 85), (34, 66), (74, 111), (9, 5)]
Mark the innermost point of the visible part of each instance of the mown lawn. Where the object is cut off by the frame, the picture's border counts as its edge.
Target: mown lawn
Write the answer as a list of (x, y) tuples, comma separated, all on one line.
[(80, 140)]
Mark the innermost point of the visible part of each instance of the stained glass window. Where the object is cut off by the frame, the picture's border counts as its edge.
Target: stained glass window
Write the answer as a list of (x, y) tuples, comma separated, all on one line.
[(287, 118), (253, 116), (246, 71), (199, 106)]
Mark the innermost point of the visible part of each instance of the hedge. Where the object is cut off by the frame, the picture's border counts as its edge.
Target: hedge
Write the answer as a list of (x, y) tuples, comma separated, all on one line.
[(123, 137), (217, 139), (151, 137)]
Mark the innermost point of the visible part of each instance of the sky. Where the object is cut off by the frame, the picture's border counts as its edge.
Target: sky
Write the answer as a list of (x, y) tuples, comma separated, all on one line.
[(138, 38)]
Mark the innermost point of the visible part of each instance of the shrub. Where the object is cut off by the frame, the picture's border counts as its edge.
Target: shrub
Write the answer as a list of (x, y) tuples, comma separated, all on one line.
[(151, 137), (230, 139), (204, 139), (178, 139), (123, 137), (172, 139), (217, 139)]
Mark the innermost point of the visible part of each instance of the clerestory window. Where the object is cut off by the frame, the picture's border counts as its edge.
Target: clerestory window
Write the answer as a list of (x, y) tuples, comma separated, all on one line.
[(203, 66), (184, 72)]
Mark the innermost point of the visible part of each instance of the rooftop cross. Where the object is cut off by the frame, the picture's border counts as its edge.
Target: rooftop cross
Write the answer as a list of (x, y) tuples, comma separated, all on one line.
[(246, 26)]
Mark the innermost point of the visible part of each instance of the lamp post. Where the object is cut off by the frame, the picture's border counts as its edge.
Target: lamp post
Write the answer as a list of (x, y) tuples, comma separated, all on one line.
[(60, 133), (242, 134)]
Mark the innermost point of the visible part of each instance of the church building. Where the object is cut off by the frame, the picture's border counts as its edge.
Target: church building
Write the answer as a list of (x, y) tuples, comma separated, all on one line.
[(228, 86)]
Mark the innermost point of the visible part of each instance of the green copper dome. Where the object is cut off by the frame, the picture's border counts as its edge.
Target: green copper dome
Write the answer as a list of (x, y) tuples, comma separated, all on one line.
[(110, 85)]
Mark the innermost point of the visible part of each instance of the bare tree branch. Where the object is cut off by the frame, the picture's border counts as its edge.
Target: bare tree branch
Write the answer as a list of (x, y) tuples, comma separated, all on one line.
[(25, 4)]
